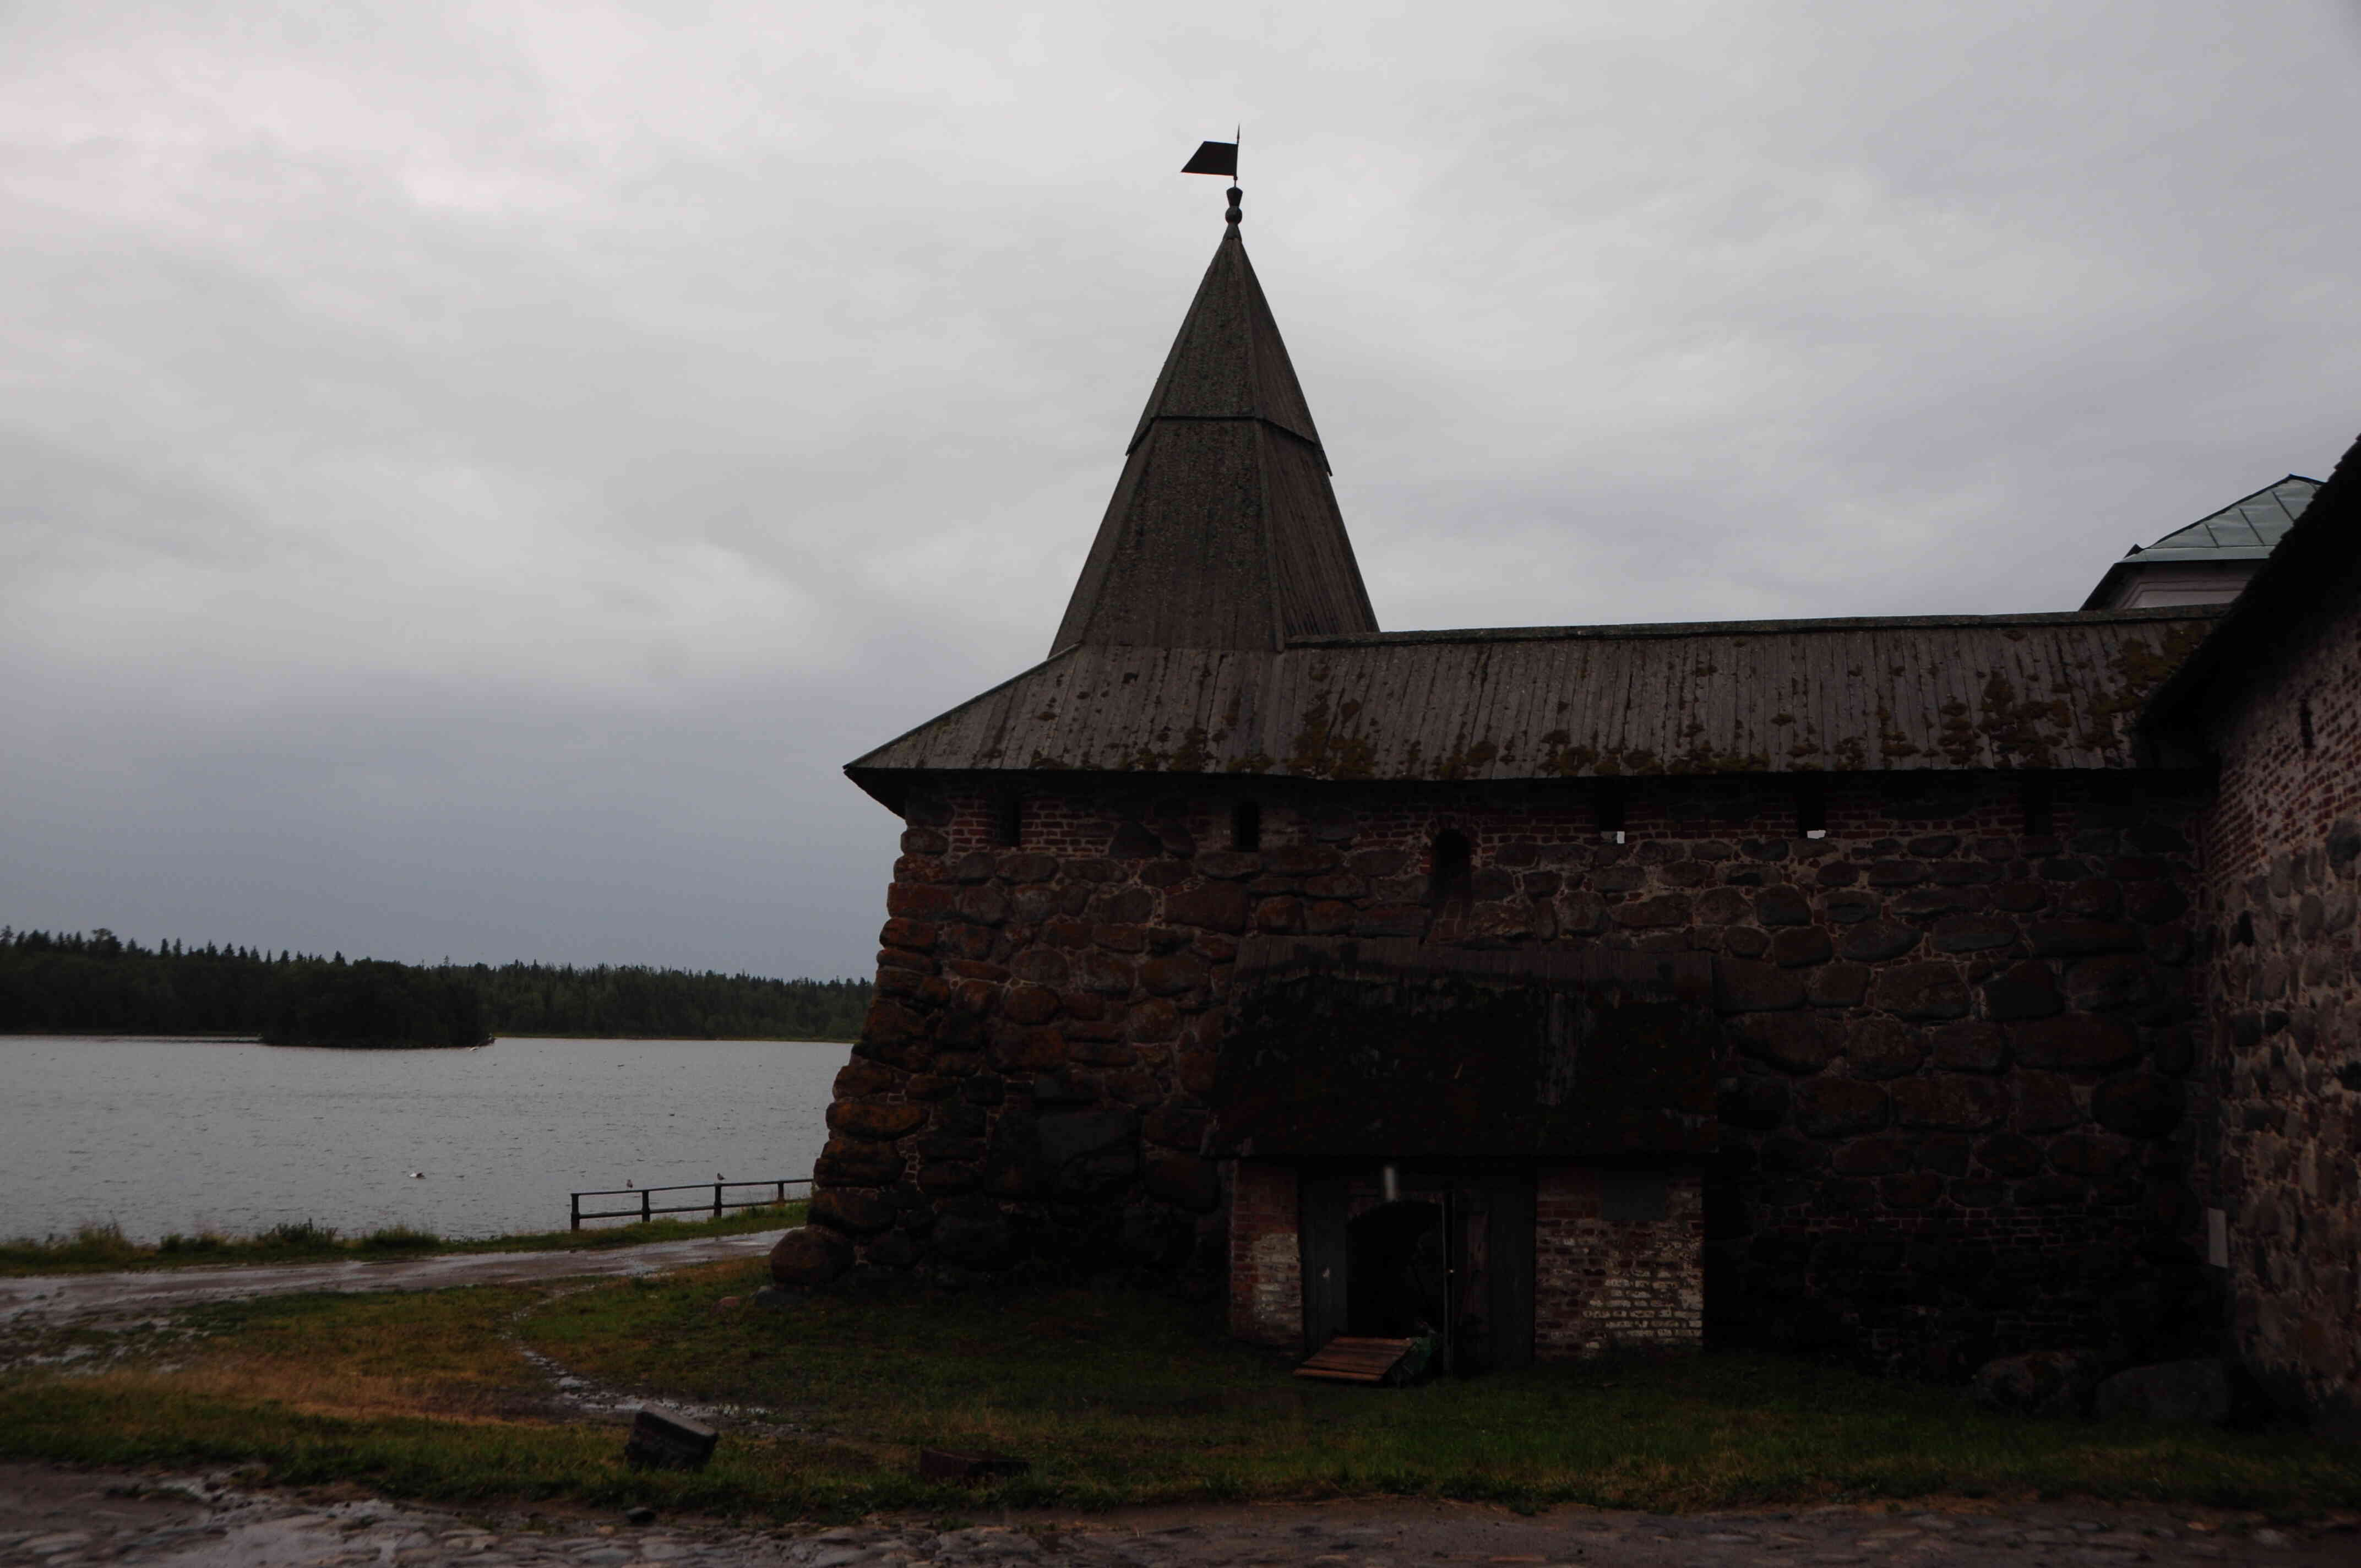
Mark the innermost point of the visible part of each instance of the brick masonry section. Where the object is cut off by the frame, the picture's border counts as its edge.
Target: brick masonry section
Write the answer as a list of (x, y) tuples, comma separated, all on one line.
[(1601, 1283), (2283, 876), (1266, 1256), (1953, 1104)]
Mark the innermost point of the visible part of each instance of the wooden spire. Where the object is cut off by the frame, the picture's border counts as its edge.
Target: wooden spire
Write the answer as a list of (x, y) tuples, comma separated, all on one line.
[(1223, 532)]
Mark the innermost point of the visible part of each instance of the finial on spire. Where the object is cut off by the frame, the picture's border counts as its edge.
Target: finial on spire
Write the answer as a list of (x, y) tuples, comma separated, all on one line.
[(1236, 216)]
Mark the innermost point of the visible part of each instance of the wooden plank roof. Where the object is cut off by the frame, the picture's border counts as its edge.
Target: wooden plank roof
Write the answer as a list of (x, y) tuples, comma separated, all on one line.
[(2049, 691), (1222, 532)]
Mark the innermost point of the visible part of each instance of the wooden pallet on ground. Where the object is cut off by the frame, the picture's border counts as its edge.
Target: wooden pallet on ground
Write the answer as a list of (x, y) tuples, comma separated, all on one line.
[(1346, 1359)]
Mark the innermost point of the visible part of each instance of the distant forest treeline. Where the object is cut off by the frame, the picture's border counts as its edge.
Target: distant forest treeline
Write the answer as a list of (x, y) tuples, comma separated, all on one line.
[(74, 983)]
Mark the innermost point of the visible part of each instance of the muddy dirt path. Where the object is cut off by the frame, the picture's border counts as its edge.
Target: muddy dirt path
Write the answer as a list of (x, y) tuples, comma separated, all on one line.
[(74, 1297), (57, 1517)]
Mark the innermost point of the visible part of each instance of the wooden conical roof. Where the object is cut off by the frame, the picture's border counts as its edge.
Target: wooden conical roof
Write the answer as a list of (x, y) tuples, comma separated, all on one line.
[(1222, 532)]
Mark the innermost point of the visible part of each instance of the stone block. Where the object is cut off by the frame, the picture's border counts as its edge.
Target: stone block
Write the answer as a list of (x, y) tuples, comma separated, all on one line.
[(1849, 908), (2112, 983), (1108, 974), (1395, 920), (1923, 902), (2022, 990), (1026, 1050), (1797, 946), (1879, 1156), (1215, 906), (1020, 866), (1883, 1047), (1797, 1042), (1742, 985), (1280, 916), (810, 1255), (2045, 1103), (983, 904), (1973, 933), (1875, 941), (1174, 974), (1152, 1022), (2086, 1155), (1028, 1004), (852, 1210), (1931, 989), (879, 1121), (891, 1023), (1838, 985), (1042, 966), (1664, 910), (666, 1440), (1951, 1103), (2019, 898), (850, 1162), (2077, 1042), (921, 901), (1831, 1107), (859, 1078), (2006, 1154), (947, 1179), (1970, 1047)]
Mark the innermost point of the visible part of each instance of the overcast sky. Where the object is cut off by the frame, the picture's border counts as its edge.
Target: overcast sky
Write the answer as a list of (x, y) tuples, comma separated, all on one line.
[(471, 475)]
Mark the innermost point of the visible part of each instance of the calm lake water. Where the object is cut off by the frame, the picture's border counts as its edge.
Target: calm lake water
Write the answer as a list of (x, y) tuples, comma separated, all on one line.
[(163, 1136)]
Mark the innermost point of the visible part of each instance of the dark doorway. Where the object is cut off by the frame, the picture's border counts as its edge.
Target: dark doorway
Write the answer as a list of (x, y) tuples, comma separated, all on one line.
[(1454, 1254), (1398, 1278)]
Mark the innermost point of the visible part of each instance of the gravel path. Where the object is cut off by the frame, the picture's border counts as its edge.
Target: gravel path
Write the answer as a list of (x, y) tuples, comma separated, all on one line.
[(60, 1518), (60, 1296)]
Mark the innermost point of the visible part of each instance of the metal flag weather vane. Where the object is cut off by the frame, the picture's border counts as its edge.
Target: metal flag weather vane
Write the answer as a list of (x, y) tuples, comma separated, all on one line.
[(1220, 158)]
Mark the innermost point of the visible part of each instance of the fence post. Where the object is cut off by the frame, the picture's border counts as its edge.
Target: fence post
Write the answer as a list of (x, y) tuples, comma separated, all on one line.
[(782, 1193), (575, 1202), (716, 1199), (644, 1215)]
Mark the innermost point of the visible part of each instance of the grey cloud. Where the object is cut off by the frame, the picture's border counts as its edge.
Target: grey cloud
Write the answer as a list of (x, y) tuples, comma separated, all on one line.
[(469, 476)]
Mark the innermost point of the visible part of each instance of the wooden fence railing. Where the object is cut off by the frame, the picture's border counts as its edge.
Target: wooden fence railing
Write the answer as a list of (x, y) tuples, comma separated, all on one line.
[(776, 1191)]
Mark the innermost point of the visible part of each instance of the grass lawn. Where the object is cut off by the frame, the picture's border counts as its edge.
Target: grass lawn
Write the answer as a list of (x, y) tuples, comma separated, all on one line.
[(1115, 1396), (96, 1249)]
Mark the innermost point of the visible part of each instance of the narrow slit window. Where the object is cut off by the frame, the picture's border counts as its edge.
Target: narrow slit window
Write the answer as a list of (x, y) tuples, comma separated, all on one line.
[(1008, 821), (1608, 803), (1450, 883), (1246, 825), (2304, 723), (2034, 798), (1812, 807)]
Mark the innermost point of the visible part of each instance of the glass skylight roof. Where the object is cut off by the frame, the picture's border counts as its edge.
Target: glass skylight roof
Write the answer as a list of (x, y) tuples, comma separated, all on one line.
[(2256, 523)]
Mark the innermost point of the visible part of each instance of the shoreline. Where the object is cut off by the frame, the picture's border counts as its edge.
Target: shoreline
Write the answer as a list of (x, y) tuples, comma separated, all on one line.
[(257, 1040)]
